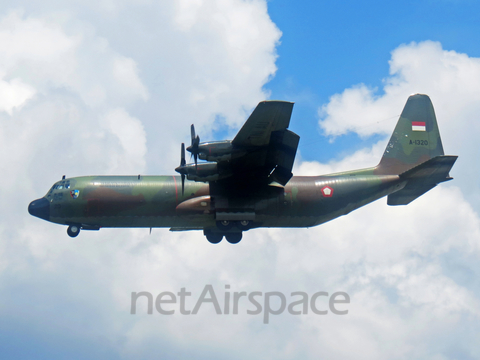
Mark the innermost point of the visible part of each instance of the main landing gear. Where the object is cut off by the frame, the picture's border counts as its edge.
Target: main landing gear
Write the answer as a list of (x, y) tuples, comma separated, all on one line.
[(242, 225), (216, 237), (231, 230), (213, 237), (234, 238)]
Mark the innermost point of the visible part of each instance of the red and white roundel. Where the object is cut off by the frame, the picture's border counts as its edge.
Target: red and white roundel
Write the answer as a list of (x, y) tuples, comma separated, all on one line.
[(327, 191)]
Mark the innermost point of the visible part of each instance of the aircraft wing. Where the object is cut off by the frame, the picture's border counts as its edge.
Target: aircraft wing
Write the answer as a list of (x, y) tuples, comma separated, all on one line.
[(266, 146), (267, 117), (256, 164), (262, 153)]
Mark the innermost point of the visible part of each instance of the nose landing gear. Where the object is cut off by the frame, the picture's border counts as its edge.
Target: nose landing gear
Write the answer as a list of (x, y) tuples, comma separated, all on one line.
[(73, 230)]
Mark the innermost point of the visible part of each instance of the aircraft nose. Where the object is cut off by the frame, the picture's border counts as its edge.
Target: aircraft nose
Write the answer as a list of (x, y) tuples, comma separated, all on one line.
[(40, 208)]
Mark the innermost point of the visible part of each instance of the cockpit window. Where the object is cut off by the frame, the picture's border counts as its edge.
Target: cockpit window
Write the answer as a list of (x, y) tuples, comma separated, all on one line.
[(60, 186)]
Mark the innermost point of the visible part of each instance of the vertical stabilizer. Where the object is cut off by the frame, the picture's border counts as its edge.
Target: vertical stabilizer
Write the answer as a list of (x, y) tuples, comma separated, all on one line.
[(416, 138)]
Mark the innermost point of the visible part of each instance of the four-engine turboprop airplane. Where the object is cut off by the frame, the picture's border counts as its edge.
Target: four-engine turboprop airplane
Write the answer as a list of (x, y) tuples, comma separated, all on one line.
[(247, 182)]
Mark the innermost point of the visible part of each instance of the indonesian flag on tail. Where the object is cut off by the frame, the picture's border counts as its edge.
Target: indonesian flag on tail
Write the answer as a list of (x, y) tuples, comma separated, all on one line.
[(418, 126)]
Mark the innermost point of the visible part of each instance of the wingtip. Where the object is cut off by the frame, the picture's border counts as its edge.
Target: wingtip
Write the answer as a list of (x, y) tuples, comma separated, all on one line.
[(277, 101)]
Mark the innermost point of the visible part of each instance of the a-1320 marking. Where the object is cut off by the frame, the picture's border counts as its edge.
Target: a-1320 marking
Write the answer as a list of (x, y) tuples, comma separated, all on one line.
[(419, 142)]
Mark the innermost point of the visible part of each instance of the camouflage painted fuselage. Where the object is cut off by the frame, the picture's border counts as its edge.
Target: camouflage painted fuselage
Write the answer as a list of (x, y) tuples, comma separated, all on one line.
[(249, 184), (157, 201)]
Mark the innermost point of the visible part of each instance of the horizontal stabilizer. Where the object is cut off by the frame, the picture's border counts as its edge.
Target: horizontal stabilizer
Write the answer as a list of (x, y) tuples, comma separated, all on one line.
[(434, 170), (422, 178), (407, 195)]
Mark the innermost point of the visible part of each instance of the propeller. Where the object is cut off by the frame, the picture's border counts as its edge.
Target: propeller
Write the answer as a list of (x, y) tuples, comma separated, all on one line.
[(180, 169), (194, 147)]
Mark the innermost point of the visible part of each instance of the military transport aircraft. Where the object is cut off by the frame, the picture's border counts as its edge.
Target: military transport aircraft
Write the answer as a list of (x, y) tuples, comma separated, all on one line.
[(247, 182)]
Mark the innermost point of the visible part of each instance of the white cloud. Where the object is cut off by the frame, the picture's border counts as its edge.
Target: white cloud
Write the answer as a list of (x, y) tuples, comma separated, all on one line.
[(131, 137), (451, 80), (363, 158), (13, 94), (126, 74)]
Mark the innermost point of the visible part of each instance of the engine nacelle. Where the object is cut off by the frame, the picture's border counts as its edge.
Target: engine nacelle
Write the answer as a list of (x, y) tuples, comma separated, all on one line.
[(216, 151), (225, 157), (204, 172)]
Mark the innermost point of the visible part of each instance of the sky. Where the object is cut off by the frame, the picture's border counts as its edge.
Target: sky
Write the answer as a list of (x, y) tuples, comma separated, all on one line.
[(106, 87)]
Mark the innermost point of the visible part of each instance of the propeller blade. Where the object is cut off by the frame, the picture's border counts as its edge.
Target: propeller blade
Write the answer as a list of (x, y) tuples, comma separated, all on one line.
[(181, 169), (192, 131), (195, 140), (182, 156), (194, 147)]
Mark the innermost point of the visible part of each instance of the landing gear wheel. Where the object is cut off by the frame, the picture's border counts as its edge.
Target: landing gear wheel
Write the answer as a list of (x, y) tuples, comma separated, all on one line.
[(213, 237), (234, 238), (244, 224), (73, 230), (224, 224)]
